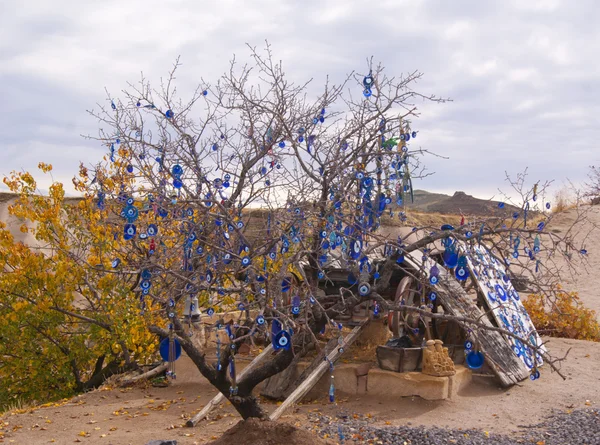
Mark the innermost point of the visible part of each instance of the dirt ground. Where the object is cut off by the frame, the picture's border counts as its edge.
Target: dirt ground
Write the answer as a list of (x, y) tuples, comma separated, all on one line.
[(137, 415), (586, 278)]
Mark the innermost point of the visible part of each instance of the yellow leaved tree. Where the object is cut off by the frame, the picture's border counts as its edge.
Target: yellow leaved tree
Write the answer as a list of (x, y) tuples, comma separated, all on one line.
[(65, 324)]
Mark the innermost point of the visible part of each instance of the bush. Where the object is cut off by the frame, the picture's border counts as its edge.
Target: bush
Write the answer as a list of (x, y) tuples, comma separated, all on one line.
[(563, 200), (567, 317)]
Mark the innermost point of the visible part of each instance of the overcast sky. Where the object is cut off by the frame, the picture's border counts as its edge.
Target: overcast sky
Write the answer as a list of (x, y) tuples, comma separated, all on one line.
[(523, 75)]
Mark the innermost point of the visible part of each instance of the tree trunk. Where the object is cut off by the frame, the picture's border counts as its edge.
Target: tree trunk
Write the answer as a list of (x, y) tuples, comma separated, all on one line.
[(248, 407)]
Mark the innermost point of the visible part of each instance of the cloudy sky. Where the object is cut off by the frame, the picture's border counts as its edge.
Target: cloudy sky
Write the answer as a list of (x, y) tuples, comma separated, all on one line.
[(523, 75)]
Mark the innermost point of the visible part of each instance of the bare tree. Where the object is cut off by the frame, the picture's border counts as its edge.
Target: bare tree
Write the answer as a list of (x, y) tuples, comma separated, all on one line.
[(252, 205), (592, 187)]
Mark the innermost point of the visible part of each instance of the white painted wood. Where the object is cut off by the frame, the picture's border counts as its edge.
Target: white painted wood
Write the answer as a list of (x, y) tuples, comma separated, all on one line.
[(497, 350), (503, 302)]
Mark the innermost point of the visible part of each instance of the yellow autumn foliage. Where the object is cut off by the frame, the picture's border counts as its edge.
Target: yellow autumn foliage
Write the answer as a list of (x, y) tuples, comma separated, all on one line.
[(59, 314), (567, 317)]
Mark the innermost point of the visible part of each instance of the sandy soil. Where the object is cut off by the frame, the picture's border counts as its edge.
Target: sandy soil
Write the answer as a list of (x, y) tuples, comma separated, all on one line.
[(586, 280), (138, 415)]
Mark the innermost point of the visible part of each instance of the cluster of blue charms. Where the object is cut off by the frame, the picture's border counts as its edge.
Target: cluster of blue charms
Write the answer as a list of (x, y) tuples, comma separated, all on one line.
[(344, 227)]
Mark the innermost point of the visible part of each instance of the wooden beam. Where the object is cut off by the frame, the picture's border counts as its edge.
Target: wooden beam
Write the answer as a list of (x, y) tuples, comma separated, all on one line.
[(216, 400), (314, 377), (154, 371), (498, 352), (330, 346)]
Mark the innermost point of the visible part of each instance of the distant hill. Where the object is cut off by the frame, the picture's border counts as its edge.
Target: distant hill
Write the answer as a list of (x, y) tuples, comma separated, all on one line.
[(424, 199), (425, 202), (456, 204)]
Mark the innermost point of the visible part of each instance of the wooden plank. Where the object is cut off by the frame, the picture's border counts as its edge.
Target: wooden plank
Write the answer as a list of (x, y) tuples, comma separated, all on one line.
[(216, 400), (503, 302), (155, 371), (313, 378), (330, 346), (498, 352)]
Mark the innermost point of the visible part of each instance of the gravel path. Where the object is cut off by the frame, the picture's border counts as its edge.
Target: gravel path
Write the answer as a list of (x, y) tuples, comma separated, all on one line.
[(580, 427)]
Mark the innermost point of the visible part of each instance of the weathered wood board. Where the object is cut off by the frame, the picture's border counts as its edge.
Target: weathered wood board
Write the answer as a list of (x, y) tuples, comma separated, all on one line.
[(500, 358), (504, 302)]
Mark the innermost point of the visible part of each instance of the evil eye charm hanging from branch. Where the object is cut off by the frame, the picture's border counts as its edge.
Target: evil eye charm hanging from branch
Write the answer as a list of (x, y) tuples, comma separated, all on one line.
[(368, 82), (152, 230), (516, 247), (376, 309), (145, 285), (474, 359), (296, 305), (177, 171), (130, 231), (450, 256), (434, 273), (282, 340), (355, 249), (462, 271), (101, 203), (535, 374), (331, 385), (170, 350), (364, 289), (131, 213)]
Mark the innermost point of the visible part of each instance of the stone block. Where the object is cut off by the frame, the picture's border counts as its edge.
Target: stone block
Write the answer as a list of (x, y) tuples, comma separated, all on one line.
[(362, 369), (362, 383), (394, 384), (459, 380)]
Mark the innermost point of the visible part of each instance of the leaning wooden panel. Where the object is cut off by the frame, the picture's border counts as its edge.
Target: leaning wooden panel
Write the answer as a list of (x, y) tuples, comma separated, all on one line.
[(452, 297), (503, 302)]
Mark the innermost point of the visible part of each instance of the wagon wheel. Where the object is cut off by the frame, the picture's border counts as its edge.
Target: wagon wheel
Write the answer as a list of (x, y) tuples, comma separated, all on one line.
[(295, 282), (406, 292), (403, 292)]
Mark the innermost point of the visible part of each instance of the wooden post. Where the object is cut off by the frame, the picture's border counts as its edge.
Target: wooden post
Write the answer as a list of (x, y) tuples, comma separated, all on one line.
[(220, 397), (146, 375), (317, 373), (331, 344)]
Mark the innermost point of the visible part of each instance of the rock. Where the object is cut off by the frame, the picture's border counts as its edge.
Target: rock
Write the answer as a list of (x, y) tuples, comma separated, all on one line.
[(244, 349), (362, 369), (362, 384), (436, 360), (162, 442)]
